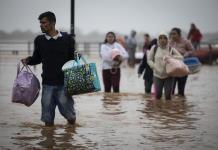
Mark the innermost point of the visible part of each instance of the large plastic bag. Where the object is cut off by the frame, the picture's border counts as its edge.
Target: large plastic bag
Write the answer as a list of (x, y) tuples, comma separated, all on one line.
[(26, 86), (176, 68)]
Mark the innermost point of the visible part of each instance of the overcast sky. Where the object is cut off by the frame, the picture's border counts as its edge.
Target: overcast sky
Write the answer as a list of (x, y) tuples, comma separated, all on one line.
[(117, 15)]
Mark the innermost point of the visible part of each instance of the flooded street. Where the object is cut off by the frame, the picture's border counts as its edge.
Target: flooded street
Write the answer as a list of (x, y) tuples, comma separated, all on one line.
[(129, 120)]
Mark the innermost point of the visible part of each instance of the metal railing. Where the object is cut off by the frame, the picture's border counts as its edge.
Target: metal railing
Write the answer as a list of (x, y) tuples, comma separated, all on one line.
[(87, 48), (26, 48)]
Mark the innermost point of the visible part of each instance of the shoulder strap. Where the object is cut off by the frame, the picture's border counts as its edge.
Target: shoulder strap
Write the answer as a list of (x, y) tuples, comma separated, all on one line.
[(170, 50), (155, 50)]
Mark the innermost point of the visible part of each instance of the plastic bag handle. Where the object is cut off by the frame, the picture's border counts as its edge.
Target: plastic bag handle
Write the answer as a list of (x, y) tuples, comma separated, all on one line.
[(24, 66), (78, 59)]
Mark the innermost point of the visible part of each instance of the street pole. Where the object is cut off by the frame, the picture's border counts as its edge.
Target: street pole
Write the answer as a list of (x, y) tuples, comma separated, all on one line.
[(72, 25)]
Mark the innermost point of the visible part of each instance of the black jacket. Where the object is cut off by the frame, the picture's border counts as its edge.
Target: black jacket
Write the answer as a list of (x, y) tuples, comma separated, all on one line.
[(144, 67)]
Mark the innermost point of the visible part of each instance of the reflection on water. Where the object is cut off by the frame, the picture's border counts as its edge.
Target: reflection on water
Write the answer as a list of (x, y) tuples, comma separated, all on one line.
[(38, 136), (53, 139), (170, 114), (112, 104), (169, 122)]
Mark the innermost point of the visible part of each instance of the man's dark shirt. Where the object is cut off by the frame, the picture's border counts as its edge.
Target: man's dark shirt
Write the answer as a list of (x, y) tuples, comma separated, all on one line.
[(52, 53)]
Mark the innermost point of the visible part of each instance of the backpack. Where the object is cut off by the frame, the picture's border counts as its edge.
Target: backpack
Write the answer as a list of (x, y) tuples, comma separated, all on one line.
[(26, 86)]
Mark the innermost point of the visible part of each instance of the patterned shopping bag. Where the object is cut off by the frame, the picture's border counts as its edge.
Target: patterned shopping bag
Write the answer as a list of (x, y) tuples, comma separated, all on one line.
[(80, 78)]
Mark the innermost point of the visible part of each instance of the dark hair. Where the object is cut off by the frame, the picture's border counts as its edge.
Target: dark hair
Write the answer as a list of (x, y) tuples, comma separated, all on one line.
[(193, 26), (147, 35), (105, 41), (177, 30), (49, 15)]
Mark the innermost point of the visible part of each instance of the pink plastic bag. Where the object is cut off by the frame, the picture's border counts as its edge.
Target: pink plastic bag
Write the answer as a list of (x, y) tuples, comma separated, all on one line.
[(176, 68), (114, 53), (26, 86)]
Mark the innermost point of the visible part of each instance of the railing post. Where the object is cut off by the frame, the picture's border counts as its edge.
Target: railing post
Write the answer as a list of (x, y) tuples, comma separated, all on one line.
[(210, 54), (87, 48), (99, 49), (29, 47)]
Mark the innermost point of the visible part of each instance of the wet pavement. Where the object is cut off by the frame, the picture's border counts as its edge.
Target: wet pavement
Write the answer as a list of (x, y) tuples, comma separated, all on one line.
[(129, 120)]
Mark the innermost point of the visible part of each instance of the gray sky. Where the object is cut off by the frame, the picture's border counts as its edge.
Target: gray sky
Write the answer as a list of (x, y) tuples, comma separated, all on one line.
[(117, 15)]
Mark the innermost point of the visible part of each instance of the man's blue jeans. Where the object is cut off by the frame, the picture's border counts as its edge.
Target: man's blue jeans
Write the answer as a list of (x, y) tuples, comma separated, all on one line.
[(53, 96)]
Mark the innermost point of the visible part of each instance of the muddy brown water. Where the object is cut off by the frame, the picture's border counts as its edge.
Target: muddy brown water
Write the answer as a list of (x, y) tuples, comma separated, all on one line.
[(129, 120)]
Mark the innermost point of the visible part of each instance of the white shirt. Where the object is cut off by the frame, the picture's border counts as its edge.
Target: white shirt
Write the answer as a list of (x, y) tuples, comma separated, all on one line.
[(105, 52), (54, 37)]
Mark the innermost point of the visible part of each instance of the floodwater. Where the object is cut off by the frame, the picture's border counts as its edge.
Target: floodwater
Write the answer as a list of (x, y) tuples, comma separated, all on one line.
[(129, 120)]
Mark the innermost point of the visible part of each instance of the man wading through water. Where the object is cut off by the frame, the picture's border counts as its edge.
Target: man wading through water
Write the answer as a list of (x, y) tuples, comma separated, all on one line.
[(53, 48)]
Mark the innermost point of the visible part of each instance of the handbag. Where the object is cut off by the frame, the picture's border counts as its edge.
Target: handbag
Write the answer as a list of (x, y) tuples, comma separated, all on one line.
[(80, 77), (26, 86), (176, 67), (193, 64)]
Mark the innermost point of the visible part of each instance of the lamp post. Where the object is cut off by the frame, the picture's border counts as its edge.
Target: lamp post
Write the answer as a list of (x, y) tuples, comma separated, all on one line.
[(72, 25)]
